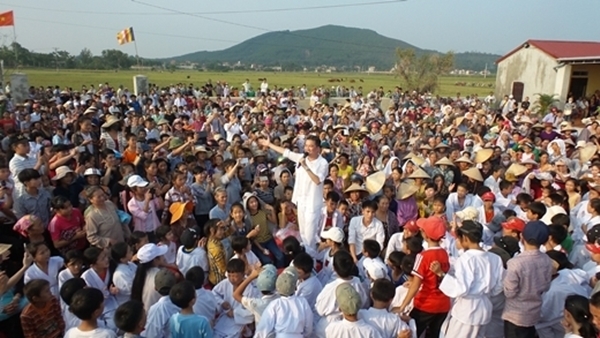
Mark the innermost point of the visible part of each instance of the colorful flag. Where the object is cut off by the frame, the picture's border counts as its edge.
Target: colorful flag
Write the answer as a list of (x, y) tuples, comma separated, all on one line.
[(125, 36), (7, 19)]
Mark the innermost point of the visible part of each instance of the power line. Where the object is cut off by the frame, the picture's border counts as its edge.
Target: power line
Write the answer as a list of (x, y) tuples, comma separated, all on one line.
[(229, 12)]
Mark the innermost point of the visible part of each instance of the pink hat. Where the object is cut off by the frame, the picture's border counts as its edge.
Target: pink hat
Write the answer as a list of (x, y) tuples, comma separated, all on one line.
[(24, 224)]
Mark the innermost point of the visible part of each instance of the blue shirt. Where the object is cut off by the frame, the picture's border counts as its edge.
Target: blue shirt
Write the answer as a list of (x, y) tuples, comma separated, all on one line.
[(189, 326)]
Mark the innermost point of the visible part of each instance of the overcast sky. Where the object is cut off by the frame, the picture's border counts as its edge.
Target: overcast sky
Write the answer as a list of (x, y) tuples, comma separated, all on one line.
[(459, 25)]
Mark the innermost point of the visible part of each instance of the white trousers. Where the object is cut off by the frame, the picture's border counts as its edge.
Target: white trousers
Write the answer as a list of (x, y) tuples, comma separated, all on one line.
[(457, 329), (308, 224)]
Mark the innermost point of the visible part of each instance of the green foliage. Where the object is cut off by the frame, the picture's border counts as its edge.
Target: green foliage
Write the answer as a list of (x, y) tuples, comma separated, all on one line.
[(341, 47), (544, 102), (421, 73)]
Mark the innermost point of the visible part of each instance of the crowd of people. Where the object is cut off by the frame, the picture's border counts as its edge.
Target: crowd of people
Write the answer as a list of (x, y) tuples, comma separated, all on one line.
[(176, 214)]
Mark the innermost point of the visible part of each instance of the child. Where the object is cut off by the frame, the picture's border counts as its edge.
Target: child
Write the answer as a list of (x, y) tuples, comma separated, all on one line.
[(33, 199), (334, 239), (130, 318), (557, 234), (238, 221), (99, 276), (378, 316), (414, 245), (276, 320), (185, 323), (42, 316), (330, 216), (513, 227), (291, 247), (67, 290), (431, 306), (349, 301), (165, 237), (326, 305), (202, 190), (191, 252), (524, 297), (407, 265), (396, 240), (137, 240), (309, 285), (265, 283), (394, 264), (577, 321), (74, 264), (523, 202), (243, 250), (206, 304), (66, 227), (263, 243), (536, 211), (343, 208), (44, 267), (161, 311), (143, 288), (477, 275), (124, 273), (216, 254), (143, 206), (180, 192), (364, 227), (88, 305), (370, 253), (230, 323)]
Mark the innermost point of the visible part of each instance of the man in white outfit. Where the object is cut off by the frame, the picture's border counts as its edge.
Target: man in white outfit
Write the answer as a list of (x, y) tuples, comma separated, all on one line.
[(311, 171)]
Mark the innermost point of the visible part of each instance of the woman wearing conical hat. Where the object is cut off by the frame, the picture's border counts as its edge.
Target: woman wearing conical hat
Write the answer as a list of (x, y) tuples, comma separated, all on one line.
[(444, 167)]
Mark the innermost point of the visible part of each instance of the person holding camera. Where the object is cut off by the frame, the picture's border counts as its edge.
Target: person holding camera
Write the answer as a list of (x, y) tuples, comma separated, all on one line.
[(143, 206)]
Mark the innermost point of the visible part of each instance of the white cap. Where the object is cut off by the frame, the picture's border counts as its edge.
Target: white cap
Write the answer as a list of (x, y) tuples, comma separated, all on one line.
[(150, 251), (375, 268), (136, 181), (92, 171), (335, 234)]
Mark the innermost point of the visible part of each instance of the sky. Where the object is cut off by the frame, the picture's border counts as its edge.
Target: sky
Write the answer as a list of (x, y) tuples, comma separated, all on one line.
[(163, 29)]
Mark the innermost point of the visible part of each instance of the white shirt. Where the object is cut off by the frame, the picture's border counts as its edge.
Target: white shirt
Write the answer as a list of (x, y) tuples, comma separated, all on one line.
[(286, 317), (224, 325), (553, 300), (64, 276), (54, 265), (387, 324), (159, 314), (357, 233), (327, 274), (306, 192), (123, 279), (258, 305), (493, 184), (17, 164), (96, 333), (149, 294), (187, 260), (477, 276), (394, 244), (346, 329), (310, 290), (232, 129), (206, 304), (326, 304)]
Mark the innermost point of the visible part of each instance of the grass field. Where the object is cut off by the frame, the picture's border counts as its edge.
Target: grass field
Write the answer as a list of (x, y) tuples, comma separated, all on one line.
[(77, 78)]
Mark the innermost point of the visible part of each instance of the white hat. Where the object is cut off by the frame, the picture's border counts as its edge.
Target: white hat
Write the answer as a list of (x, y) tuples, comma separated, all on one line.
[(136, 181), (61, 172), (150, 251), (335, 234), (468, 214), (375, 268), (92, 171)]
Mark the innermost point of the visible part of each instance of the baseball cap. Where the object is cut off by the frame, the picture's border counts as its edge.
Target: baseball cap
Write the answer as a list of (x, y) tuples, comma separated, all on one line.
[(515, 224), (348, 299), (488, 196), (136, 181), (411, 226), (375, 268), (433, 227), (286, 282), (150, 251), (92, 171), (536, 231), (164, 279), (267, 278), (189, 238), (468, 214), (335, 234)]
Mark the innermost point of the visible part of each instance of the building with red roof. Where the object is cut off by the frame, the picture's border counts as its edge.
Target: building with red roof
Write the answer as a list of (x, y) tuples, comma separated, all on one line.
[(562, 68)]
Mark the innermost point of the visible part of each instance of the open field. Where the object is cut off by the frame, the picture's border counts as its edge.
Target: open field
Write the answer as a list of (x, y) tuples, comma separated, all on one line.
[(76, 78)]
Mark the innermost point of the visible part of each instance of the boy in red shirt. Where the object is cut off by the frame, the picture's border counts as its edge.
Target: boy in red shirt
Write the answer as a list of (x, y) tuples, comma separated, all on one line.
[(431, 306)]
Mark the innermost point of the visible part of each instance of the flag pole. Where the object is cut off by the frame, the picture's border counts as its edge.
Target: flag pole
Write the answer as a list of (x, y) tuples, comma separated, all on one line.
[(136, 52), (15, 47)]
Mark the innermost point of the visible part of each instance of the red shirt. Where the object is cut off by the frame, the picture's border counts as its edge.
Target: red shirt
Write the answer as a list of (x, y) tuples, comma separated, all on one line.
[(429, 298), (62, 228)]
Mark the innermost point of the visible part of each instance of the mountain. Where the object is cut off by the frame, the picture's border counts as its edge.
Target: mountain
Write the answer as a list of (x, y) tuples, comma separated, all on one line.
[(337, 46)]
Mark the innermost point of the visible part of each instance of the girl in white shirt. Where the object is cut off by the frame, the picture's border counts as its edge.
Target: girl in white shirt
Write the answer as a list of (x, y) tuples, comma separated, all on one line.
[(125, 270), (577, 321), (44, 267)]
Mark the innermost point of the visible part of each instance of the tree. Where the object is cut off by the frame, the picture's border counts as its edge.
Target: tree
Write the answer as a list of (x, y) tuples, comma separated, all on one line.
[(421, 73), (544, 102)]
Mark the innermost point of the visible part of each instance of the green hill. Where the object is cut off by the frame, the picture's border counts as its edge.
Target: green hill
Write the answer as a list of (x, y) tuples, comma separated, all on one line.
[(341, 47)]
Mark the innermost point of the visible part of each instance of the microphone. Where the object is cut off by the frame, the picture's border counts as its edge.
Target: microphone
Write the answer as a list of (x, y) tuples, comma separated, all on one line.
[(305, 155)]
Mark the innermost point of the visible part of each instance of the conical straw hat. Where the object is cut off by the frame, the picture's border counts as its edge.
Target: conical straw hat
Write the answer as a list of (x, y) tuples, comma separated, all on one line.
[(419, 173), (406, 190), (516, 169), (444, 161), (483, 155), (473, 173), (374, 182)]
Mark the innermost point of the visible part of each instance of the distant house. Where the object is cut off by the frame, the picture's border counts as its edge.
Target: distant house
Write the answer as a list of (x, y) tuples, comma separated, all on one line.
[(549, 67)]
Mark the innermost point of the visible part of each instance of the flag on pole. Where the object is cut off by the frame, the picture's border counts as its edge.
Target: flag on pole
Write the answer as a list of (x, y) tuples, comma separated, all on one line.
[(7, 19), (124, 36)]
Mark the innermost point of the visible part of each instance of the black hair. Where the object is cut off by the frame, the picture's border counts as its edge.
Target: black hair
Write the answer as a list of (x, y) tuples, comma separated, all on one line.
[(343, 202), (128, 315), (137, 286), (476, 233), (239, 243), (196, 276), (538, 209), (59, 202), (198, 169), (560, 258), (414, 244), (595, 205), (482, 190), (557, 199), (182, 294), (524, 198), (73, 256), (288, 188), (562, 220), (369, 205), (28, 174), (34, 288), (85, 302), (408, 264), (372, 247), (92, 254), (383, 290), (69, 287), (136, 238), (118, 251), (343, 264), (162, 231), (333, 196), (508, 213), (291, 247), (579, 308), (558, 233), (328, 182), (504, 185), (440, 199), (396, 258), (32, 248), (236, 266), (304, 262)]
